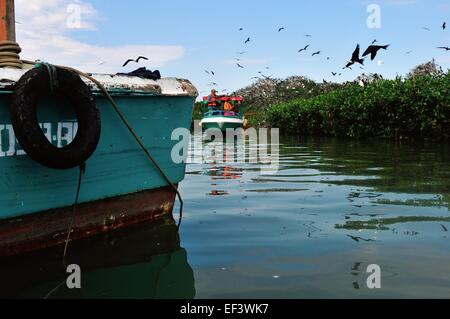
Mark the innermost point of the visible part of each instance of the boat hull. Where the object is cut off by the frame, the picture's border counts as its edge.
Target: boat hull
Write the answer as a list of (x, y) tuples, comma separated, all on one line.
[(50, 228), (222, 123), (120, 186)]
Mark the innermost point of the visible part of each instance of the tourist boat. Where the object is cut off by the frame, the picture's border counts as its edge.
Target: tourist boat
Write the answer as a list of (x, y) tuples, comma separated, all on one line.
[(223, 120), (119, 187)]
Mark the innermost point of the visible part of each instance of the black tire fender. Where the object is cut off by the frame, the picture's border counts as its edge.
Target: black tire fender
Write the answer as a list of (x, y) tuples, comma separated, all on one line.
[(36, 84)]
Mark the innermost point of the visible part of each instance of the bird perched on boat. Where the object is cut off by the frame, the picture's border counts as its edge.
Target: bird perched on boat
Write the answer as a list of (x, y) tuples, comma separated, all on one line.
[(444, 26), (281, 29), (239, 66), (247, 41), (444, 48), (316, 53), (304, 49), (137, 60), (355, 58), (373, 50)]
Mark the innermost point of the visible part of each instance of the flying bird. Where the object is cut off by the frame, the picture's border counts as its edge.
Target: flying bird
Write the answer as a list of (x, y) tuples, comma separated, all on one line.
[(373, 50), (316, 53), (281, 29), (207, 72), (240, 66), (444, 48), (247, 41), (374, 41), (241, 53), (444, 26), (308, 35), (212, 72), (426, 28), (241, 29), (137, 60), (409, 52), (334, 73), (355, 58), (304, 49)]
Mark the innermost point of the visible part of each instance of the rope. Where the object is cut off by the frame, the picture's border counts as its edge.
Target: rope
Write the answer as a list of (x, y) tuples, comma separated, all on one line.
[(9, 55), (75, 205)]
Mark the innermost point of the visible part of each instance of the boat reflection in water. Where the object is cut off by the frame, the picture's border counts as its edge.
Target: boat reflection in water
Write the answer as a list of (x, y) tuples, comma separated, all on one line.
[(141, 261)]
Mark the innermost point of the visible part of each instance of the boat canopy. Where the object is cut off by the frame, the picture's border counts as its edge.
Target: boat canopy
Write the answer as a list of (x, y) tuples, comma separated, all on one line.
[(238, 99)]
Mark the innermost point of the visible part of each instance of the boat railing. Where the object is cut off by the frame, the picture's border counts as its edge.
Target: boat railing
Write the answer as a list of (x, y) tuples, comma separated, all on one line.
[(221, 113)]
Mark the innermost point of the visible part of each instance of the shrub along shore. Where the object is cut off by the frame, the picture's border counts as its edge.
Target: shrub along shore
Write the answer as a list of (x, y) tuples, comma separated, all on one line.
[(417, 107)]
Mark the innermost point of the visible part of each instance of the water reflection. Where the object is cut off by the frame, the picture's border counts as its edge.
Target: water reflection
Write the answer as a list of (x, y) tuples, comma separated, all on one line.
[(143, 261), (295, 233)]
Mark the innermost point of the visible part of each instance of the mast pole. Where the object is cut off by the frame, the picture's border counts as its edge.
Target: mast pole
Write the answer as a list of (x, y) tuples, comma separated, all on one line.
[(7, 21)]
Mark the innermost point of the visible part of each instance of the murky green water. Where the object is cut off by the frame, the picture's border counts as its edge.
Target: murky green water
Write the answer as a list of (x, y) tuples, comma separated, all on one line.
[(308, 231)]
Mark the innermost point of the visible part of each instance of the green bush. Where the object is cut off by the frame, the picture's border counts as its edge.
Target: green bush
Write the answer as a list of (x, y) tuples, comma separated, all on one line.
[(417, 107)]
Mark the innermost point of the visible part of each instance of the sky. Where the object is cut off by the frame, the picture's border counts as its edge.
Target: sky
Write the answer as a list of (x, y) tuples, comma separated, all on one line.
[(184, 38)]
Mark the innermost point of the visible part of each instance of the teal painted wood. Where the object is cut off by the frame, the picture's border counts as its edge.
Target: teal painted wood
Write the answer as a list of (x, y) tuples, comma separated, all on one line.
[(118, 166)]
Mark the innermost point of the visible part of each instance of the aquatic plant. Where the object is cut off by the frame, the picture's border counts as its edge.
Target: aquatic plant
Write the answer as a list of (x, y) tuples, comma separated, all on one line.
[(417, 107)]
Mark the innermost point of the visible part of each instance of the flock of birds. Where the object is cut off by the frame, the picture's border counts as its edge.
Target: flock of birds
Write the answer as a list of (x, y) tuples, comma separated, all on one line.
[(371, 52)]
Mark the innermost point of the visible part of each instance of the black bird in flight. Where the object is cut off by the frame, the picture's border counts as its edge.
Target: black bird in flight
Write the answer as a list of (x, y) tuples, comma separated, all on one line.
[(373, 50), (374, 41), (241, 53), (247, 41), (316, 53), (207, 72), (409, 52), (240, 66), (444, 26), (241, 29), (281, 29), (308, 35), (304, 49), (212, 72), (426, 28), (444, 48), (334, 73), (137, 60), (355, 58)]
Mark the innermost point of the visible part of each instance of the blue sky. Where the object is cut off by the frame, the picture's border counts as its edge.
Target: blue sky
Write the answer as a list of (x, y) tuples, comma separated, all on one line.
[(183, 38)]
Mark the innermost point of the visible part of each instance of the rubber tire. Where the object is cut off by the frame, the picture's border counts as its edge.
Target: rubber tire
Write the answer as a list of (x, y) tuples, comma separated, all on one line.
[(23, 109)]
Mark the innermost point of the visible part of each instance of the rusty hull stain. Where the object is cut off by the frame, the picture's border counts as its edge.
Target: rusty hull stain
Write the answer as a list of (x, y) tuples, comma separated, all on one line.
[(48, 229)]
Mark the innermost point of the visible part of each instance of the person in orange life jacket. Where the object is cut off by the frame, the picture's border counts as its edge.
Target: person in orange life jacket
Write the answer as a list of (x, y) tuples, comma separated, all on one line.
[(229, 107), (213, 100)]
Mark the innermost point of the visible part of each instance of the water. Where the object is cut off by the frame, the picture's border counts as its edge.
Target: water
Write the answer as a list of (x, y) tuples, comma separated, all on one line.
[(309, 230)]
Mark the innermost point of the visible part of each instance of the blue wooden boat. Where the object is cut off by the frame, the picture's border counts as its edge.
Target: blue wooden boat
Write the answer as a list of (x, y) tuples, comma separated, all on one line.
[(119, 187)]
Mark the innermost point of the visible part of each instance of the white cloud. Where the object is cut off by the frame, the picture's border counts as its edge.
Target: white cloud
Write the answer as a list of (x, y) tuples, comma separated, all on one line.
[(42, 32)]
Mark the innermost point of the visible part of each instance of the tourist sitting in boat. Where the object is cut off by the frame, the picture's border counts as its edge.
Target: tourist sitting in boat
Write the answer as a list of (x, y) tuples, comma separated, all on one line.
[(229, 108)]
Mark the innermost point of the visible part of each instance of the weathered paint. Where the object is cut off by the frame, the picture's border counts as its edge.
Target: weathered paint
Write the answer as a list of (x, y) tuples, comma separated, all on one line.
[(115, 84), (47, 229), (7, 21), (118, 166)]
